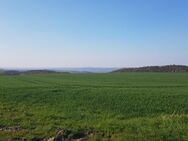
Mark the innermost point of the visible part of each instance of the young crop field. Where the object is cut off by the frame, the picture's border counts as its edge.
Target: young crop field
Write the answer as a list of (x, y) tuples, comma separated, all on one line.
[(113, 106)]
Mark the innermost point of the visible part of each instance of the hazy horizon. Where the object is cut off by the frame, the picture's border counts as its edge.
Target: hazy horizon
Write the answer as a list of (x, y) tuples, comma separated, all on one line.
[(34, 68), (93, 34)]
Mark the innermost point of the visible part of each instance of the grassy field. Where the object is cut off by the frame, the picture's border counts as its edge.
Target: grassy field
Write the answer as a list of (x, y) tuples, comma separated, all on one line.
[(117, 106)]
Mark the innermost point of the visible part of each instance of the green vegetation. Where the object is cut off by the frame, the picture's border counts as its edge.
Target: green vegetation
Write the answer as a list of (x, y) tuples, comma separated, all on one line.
[(116, 106)]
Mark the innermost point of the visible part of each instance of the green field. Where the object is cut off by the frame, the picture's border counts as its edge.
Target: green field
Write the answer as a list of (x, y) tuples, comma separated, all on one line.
[(114, 106)]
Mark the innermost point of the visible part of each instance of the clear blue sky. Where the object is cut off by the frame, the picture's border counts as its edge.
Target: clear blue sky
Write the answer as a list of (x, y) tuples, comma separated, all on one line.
[(93, 33)]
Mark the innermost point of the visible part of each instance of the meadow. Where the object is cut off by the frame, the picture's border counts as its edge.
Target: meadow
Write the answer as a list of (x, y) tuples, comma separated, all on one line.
[(113, 106)]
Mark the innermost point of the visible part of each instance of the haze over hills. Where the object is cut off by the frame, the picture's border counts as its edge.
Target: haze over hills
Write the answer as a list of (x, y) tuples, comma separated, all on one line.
[(167, 68), (85, 69), (65, 69), (17, 71)]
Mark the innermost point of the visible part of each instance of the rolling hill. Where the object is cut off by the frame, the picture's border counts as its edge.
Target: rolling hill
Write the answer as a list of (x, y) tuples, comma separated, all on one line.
[(167, 68)]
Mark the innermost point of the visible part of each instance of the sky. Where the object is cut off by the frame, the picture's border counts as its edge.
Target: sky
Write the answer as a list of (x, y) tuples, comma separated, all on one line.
[(93, 33)]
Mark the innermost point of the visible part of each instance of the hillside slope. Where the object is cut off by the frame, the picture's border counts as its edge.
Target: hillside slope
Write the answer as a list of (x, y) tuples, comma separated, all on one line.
[(168, 68)]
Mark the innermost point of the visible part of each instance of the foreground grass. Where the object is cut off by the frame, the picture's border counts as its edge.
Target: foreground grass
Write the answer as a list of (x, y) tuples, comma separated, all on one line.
[(127, 106)]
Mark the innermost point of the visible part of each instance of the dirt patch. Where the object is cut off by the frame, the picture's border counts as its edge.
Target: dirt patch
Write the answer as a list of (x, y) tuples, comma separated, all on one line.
[(66, 135), (11, 128), (61, 135)]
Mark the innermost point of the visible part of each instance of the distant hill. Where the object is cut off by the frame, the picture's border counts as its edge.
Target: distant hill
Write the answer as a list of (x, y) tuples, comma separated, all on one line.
[(10, 72), (168, 68), (38, 72), (1, 70), (16, 72)]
